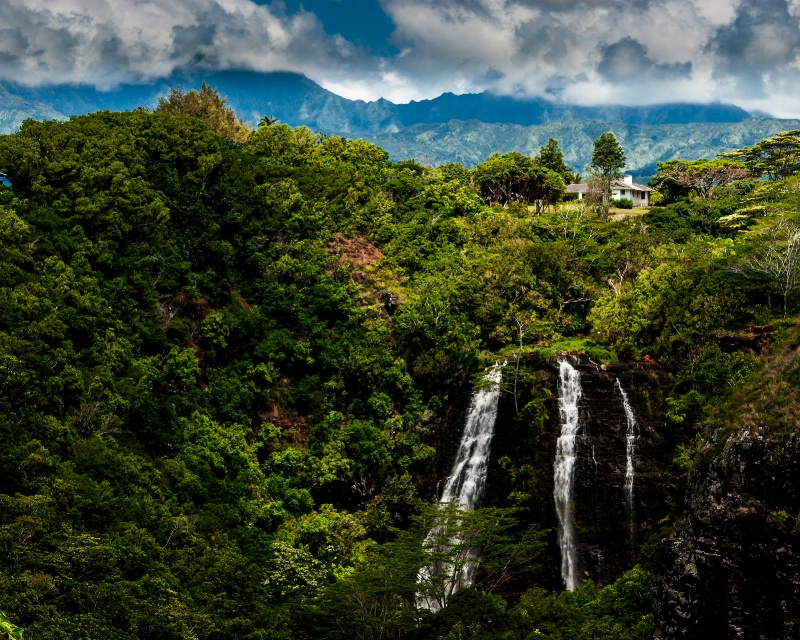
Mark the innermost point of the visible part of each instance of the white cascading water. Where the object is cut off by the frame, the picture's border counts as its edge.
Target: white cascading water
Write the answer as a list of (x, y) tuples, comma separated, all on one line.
[(466, 482), (569, 395), (630, 451)]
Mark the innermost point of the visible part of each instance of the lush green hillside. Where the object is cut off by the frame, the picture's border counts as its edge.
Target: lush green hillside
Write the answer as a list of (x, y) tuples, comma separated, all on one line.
[(471, 142), (229, 372), (14, 109), (466, 128)]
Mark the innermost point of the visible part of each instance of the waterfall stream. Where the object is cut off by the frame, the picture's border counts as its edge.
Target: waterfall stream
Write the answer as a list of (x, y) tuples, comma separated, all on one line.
[(569, 395), (630, 451), (464, 487)]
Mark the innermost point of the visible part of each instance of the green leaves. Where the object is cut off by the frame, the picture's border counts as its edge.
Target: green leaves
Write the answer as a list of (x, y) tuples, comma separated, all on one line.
[(228, 364), (512, 177), (608, 157), (777, 157), (621, 610), (676, 178), (384, 592), (551, 157), (8, 630)]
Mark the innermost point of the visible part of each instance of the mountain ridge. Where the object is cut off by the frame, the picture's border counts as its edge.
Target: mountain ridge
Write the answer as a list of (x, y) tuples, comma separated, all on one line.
[(298, 100), (472, 142), (464, 128), (14, 109)]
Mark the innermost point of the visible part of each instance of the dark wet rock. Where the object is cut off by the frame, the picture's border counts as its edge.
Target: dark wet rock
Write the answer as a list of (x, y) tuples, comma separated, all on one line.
[(603, 519), (756, 340), (731, 568), (608, 533)]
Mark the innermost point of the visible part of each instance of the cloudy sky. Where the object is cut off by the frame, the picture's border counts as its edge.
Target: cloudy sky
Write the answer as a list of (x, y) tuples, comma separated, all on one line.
[(595, 51)]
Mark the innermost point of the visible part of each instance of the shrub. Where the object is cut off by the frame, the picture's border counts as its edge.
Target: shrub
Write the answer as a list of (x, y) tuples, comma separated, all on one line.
[(624, 203)]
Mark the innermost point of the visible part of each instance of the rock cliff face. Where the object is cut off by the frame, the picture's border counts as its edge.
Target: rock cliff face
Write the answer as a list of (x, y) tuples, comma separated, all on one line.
[(607, 542), (609, 534), (731, 568)]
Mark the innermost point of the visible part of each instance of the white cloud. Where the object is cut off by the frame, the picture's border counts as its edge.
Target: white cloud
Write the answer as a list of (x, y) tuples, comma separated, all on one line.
[(716, 12), (673, 50), (531, 46), (676, 49), (105, 42)]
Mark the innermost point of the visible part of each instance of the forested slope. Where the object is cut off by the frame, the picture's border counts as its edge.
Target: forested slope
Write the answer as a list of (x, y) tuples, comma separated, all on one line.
[(470, 142), (230, 369), (450, 128)]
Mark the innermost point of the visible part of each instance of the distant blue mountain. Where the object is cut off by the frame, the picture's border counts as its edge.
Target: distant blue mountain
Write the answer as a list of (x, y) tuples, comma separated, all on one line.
[(14, 109), (451, 128), (489, 108), (296, 100)]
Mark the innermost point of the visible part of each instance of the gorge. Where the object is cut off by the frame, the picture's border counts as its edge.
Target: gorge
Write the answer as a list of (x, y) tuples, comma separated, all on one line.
[(605, 496), (237, 376)]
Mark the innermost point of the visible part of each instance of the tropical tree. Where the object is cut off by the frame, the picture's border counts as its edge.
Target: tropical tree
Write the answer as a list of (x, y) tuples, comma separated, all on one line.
[(676, 178), (608, 157), (208, 106), (551, 157), (513, 177), (608, 160), (775, 259), (267, 121), (425, 566), (776, 157)]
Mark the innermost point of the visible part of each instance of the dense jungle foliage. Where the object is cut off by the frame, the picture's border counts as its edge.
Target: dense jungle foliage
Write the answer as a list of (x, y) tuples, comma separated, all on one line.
[(227, 363)]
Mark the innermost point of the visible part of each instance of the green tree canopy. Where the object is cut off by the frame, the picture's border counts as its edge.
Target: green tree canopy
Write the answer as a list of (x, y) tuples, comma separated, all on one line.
[(514, 177), (208, 106), (608, 157), (776, 157), (677, 178), (608, 160), (551, 157)]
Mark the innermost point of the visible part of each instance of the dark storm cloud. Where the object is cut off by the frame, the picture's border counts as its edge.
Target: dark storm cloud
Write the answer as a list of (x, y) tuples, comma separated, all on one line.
[(12, 42), (24, 30), (758, 46), (627, 59), (490, 76), (558, 84), (411, 49), (546, 40), (104, 42), (193, 39)]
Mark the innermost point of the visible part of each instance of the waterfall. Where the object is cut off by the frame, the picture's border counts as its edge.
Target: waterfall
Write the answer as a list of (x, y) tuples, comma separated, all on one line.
[(464, 488), (630, 451), (569, 394)]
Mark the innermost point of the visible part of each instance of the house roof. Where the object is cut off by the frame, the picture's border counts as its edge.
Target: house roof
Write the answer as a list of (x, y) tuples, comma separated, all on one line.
[(620, 184), (617, 184)]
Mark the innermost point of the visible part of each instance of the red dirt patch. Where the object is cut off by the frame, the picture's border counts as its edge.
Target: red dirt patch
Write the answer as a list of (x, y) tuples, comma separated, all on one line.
[(293, 426), (360, 252), (200, 354), (201, 308), (237, 298)]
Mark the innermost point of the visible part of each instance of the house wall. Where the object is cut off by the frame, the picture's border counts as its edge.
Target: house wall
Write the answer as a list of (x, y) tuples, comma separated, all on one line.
[(640, 198)]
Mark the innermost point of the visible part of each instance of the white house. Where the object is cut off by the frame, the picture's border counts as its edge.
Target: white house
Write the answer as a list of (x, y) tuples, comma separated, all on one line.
[(624, 188)]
